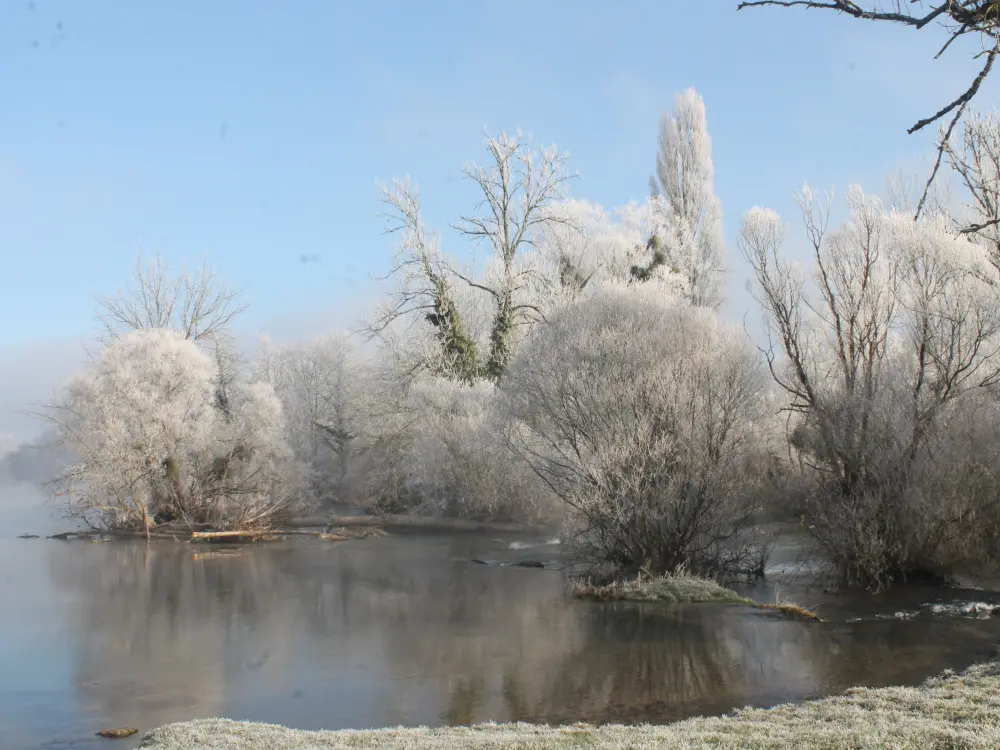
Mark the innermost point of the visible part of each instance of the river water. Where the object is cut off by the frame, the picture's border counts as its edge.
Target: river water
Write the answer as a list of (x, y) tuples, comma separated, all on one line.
[(406, 630)]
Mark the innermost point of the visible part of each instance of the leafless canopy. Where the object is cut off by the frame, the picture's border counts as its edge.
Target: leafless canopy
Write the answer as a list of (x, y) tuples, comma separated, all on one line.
[(196, 304), (959, 17)]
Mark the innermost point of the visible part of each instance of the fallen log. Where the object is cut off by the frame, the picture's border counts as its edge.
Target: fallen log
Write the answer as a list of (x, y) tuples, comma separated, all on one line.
[(65, 535)]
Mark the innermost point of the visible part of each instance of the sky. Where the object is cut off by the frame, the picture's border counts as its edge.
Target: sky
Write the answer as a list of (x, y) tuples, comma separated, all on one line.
[(253, 134)]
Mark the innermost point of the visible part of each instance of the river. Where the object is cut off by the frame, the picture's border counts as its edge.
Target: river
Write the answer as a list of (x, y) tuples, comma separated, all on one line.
[(406, 630)]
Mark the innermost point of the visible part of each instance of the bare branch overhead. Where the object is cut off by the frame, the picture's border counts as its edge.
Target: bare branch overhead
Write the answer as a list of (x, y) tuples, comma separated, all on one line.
[(958, 17)]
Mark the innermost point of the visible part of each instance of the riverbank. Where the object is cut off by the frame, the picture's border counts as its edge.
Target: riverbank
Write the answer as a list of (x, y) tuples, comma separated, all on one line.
[(951, 710)]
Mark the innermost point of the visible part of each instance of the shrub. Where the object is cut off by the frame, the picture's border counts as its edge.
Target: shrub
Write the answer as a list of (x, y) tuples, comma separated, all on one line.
[(640, 413)]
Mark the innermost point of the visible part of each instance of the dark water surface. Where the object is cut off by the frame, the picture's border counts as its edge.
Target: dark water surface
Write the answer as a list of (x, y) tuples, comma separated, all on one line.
[(405, 630)]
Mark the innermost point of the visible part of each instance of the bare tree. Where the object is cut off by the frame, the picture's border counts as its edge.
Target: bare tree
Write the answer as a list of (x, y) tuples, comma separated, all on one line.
[(976, 162), (898, 325), (977, 18), (517, 189), (692, 239), (196, 304)]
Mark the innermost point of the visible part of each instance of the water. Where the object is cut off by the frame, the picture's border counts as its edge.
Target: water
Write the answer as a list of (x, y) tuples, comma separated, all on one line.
[(405, 630)]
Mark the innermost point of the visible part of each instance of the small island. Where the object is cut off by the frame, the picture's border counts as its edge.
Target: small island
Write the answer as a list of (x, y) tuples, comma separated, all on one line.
[(679, 588)]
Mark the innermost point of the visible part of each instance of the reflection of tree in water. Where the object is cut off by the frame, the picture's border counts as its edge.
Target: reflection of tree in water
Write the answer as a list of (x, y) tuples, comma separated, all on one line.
[(174, 631), (504, 644), (163, 630), (636, 658), (660, 663), (620, 664)]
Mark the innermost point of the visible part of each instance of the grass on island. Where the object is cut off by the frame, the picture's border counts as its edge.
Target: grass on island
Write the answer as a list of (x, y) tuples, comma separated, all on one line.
[(679, 588), (949, 711)]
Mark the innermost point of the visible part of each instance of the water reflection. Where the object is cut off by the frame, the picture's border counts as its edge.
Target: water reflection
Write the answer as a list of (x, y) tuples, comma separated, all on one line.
[(405, 630)]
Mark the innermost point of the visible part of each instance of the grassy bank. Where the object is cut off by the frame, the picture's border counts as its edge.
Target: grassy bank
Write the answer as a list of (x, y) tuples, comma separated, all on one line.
[(677, 589), (950, 711)]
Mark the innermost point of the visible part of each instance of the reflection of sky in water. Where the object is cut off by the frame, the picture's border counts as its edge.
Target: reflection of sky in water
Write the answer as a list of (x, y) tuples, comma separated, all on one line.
[(36, 644), (407, 631)]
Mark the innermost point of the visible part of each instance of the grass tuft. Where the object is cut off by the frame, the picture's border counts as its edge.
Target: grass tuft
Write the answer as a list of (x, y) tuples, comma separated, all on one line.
[(679, 588)]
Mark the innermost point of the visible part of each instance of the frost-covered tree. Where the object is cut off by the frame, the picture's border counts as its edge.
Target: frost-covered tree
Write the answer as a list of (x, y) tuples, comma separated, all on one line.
[(324, 389), (424, 291), (458, 463), (691, 238), (639, 412), (898, 327), (590, 248), (153, 446), (518, 185)]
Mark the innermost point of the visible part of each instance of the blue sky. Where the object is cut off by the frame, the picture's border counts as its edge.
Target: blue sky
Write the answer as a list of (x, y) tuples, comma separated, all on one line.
[(254, 132)]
